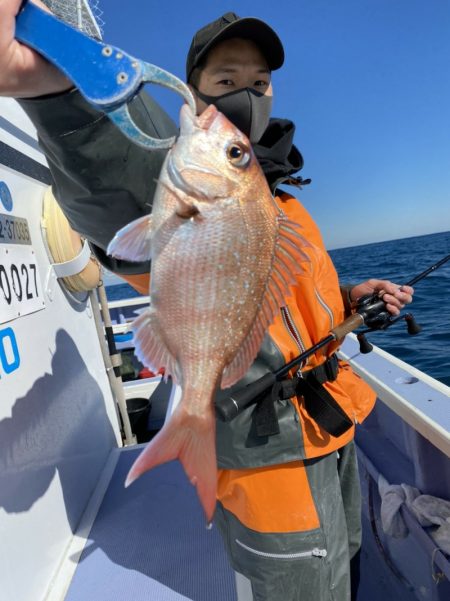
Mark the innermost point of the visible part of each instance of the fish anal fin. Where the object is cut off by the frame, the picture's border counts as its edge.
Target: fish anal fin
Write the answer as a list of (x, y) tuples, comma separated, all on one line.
[(133, 242), (150, 347), (191, 439)]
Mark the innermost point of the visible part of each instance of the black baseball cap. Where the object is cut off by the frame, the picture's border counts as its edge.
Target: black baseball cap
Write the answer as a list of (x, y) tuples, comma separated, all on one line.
[(229, 26)]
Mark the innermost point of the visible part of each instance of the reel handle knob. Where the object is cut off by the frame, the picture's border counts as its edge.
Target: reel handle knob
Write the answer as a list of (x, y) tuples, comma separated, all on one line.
[(411, 324), (364, 345)]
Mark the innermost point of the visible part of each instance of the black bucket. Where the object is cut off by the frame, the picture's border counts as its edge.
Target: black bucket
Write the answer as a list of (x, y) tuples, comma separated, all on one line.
[(138, 412)]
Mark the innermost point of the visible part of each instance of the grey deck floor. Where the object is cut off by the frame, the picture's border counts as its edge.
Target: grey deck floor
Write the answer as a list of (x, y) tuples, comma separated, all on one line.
[(149, 542)]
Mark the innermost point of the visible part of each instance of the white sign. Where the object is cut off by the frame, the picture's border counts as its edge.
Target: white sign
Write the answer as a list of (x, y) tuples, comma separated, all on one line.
[(13, 230), (20, 284)]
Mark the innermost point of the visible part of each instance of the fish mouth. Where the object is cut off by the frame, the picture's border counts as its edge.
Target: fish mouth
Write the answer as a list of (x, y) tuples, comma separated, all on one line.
[(175, 175)]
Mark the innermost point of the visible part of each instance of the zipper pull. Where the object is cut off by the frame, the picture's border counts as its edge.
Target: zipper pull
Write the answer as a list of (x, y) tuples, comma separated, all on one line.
[(319, 552)]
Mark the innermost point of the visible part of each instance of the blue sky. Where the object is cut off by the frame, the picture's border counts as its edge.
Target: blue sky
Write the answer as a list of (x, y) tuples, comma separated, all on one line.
[(366, 83)]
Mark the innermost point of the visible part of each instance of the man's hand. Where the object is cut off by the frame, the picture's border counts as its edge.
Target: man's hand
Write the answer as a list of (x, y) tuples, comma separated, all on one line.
[(23, 72), (394, 295)]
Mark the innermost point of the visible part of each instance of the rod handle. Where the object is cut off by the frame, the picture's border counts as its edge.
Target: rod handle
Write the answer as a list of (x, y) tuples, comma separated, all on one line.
[(228, 408), (347, 326)]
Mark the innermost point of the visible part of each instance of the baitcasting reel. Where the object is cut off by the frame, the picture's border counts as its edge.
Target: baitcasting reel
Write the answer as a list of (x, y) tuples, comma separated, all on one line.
[(376, 317)]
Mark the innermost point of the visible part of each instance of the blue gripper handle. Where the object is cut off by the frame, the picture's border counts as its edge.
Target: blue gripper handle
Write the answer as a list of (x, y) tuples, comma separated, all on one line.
[(105, 75)]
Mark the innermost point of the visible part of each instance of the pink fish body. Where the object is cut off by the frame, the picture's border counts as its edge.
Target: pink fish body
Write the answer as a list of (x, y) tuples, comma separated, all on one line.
[(222, 258)]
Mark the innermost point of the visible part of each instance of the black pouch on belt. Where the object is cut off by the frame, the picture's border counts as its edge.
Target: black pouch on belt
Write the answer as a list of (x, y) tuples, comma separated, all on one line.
[(319, 403)]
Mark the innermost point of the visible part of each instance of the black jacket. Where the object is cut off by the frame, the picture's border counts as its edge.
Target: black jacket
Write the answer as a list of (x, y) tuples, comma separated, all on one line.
[(103, 181)]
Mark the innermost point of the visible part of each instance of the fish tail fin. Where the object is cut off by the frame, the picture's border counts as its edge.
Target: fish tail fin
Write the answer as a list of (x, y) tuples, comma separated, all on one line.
[(191, 439)]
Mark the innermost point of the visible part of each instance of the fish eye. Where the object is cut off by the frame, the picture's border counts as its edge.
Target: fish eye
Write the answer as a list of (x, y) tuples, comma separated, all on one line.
[(238, 154)]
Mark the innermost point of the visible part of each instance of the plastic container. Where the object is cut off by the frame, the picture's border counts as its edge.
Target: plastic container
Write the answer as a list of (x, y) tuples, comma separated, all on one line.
[(138, 410)]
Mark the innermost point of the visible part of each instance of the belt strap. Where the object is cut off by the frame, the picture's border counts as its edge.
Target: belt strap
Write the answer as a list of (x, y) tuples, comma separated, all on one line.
[(325, 372), (318, 402)]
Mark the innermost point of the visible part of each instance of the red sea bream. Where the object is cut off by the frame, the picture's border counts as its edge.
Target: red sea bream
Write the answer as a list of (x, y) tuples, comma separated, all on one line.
[(222, 258)]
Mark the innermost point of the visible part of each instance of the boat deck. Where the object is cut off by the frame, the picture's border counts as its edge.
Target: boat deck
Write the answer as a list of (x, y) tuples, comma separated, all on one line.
[(141, 546)]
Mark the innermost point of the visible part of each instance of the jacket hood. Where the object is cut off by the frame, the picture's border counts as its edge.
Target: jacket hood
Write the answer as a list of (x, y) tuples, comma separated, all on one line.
[(278, 156)]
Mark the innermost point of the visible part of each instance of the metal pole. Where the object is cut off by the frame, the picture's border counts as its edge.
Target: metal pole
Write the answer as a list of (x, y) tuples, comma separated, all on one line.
[(114, 379)]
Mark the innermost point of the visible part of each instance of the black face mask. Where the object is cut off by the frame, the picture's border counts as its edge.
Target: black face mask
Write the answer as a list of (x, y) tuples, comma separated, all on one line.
[(247, 109)]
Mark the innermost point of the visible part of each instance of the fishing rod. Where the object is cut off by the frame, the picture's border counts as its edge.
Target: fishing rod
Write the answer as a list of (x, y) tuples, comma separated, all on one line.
[(370, 310)]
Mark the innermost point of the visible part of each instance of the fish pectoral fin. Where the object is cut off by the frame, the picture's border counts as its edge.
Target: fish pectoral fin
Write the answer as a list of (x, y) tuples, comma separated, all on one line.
[(150, 347), (133, 242), (191, 439)]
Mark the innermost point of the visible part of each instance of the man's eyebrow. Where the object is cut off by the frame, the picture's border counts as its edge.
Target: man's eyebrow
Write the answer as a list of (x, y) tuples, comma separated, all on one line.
[(224, 69), (233, 69)]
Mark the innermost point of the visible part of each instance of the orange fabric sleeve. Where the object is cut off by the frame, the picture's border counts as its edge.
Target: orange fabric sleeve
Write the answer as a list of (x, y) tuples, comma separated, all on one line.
[(140, 281)]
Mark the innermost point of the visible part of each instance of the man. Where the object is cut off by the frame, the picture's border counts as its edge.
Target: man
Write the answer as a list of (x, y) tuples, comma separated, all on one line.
[(288, 490), (289, 507)]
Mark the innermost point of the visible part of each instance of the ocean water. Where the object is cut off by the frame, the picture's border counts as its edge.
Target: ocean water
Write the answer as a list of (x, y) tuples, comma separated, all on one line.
[(398, 261)]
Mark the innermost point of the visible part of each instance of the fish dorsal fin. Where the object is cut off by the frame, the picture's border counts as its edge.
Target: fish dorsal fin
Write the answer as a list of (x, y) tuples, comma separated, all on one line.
[(286, 263), (150, 347), (133, 242)]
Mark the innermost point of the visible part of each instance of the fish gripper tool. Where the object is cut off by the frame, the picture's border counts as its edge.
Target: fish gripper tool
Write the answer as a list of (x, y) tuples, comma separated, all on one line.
[(106, 76)]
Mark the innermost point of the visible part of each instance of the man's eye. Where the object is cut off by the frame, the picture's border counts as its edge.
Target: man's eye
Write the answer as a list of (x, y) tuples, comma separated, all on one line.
[(225, 82), (260, 83)]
